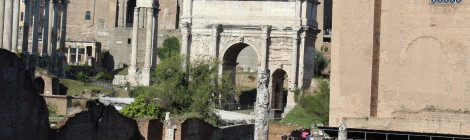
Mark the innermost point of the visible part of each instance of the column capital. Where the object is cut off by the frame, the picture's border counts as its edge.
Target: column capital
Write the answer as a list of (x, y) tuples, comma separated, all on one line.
[(136, 10)]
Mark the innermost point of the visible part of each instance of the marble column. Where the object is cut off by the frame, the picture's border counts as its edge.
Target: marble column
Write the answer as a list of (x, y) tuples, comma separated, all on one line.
[(68, 55), (185, 49), (77, 49), (85, 56), (2, 12), (266, 36), (215, 37), (63, 25), (36, 18), (49, 26), (26, 25), (135, 42), (148, 44), (294, 71), (261, 106), (54, 24), (8, 19), (16, 20), (45, 29), (120, 13)]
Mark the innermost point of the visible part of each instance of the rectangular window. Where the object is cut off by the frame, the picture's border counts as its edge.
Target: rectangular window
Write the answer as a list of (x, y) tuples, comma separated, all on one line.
[(21, 16)]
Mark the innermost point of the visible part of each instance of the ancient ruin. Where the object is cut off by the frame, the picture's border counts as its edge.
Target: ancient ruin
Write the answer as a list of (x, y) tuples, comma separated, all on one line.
[(281, 32), (142, 76)]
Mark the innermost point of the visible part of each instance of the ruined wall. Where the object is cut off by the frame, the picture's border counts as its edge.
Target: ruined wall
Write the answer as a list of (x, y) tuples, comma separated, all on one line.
[(150, 129), (23, 113), (421, 59), (62, 103), (196, 129), (98, 122)]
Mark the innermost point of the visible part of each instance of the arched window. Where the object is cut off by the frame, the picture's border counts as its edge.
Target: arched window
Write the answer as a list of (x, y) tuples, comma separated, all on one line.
[(87, 15)]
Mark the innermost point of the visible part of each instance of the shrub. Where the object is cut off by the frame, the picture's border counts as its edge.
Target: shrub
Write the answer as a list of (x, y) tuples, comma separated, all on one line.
[(83, 77)]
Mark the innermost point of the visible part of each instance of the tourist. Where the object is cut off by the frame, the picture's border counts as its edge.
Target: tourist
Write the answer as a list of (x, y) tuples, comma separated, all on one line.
[(304, 134), (284, 137), (308, 136)]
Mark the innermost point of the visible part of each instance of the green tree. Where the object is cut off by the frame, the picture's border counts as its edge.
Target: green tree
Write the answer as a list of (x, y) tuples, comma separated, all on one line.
[(143, 108), (321, 62), (171, 46), (312, 109)]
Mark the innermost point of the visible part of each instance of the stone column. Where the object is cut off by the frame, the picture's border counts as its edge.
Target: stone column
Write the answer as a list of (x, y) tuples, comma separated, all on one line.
[(77, 49), (266, 36), (2, 12), (135, 42), (45, 28), (16, 19), (294, 71), (342, 133), (215, 37), (54, 24), (26, 26), (121, 17), (186, 33), (63, 25), (68, 55), (148, 44), (154, 55), (261, 106), (8, 19), (37, 16), (49, 27)]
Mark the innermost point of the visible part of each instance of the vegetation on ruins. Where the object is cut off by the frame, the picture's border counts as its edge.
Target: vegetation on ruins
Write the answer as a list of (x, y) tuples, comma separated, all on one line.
[(82, 77), (171, 47), (321, 63), (171, 91), (312, 109)]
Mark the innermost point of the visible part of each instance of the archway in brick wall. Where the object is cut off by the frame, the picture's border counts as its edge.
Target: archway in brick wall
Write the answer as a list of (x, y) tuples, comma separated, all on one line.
[(39, 84)]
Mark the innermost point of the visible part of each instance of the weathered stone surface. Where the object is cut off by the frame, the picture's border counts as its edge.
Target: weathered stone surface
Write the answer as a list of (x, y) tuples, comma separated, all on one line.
[(196, 129), (150, 129), (99, 122), (261, 106), (420, 61), (23, 113)]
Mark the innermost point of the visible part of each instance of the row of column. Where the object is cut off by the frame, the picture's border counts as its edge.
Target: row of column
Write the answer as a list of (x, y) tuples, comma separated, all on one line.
[(77, 54), (9, 23), (151, 32)]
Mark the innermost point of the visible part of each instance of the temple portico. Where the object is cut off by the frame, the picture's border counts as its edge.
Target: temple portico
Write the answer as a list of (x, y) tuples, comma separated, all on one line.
[(141, 76)]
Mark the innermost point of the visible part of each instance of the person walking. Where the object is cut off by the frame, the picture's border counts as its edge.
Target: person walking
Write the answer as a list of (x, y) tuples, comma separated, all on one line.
[(284, 137)]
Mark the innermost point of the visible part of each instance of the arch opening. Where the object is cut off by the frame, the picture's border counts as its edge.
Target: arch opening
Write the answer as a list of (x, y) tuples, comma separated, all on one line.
[(39, 84), (278, 91), (241, 60)]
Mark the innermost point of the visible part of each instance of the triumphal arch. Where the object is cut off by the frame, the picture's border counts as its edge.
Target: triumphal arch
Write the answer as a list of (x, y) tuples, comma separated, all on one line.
[(282, 32)]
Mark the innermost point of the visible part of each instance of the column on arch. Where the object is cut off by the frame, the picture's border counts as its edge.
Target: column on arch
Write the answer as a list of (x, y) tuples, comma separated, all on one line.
[(2, 21), (8, 24), (15, 25), (26, 26), (35, 33)]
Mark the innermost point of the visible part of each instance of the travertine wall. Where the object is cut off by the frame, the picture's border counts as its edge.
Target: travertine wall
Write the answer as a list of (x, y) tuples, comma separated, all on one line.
[(422, 58)]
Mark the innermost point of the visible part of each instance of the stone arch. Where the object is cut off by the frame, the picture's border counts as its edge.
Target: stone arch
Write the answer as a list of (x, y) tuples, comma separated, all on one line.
[(230, 55), (40, 85), (278, 94)]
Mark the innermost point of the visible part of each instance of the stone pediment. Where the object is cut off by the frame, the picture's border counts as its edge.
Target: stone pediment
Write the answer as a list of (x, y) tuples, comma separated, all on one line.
[(147, 3)]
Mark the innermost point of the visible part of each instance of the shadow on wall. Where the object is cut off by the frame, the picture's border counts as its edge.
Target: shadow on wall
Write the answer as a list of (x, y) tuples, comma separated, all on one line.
[(108, 61)]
